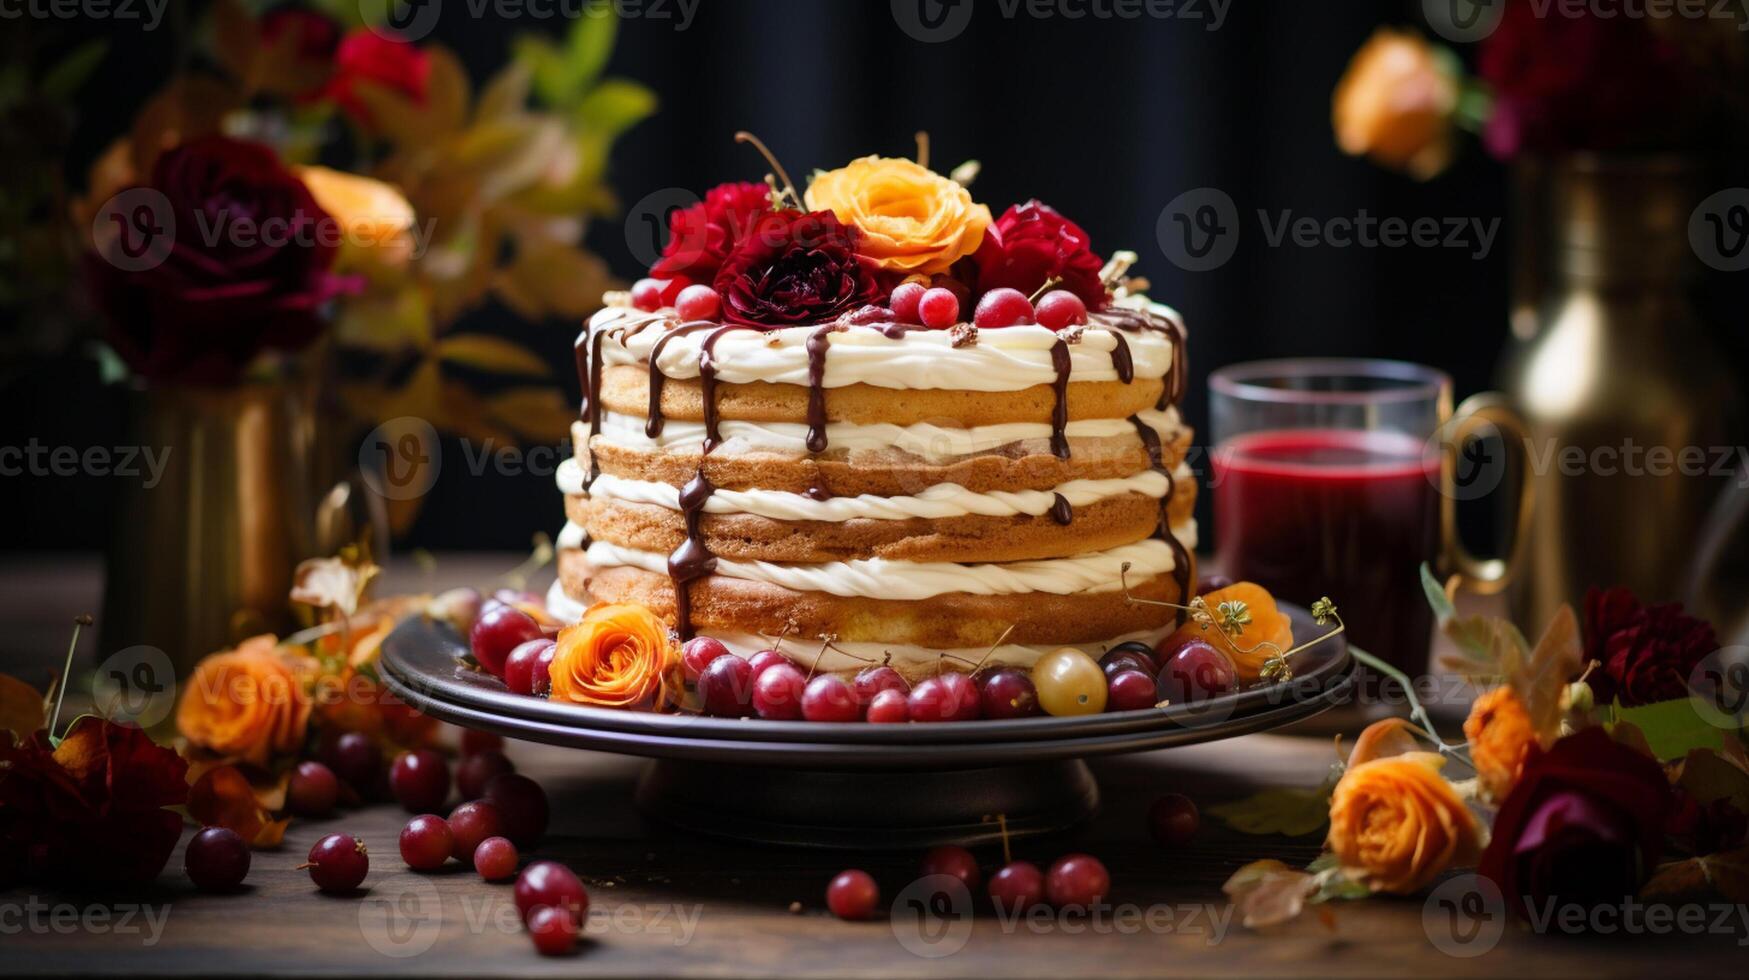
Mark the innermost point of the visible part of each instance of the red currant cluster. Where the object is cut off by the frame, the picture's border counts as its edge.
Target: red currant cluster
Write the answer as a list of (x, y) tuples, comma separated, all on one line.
[(691, 301), (936, 306)]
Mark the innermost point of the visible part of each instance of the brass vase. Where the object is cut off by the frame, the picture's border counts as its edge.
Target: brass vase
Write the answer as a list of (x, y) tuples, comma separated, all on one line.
[(1628, 400), (205, 557)]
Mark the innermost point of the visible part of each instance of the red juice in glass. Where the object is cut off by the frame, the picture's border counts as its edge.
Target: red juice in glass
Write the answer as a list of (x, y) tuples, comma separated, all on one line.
[(1345, 513)]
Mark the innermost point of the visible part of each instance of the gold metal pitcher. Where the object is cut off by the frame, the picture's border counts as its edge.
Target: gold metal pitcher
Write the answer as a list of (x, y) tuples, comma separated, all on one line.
[(1627, 398)]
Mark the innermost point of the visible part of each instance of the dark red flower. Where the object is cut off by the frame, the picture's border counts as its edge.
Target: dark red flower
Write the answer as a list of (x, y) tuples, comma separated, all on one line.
[(229, 257), (1644, 654), (1571, 80), (92, 808), (700, 237), (1583, 825), (311, 39), (1031, 243), (1706, 828), (793, 268), (366, 56)]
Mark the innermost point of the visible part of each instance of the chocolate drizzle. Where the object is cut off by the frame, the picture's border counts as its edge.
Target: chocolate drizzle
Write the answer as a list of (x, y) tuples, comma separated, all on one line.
[(654, 423), (1121, 361), (1139, 321), (693, 559), (1061, 511), (707, 381), (817, 344), (1163, 531), (592, 405), (1060, 411)]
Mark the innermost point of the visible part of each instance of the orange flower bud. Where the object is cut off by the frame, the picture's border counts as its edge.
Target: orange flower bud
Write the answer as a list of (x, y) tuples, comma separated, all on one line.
[(1500, 734), (1395, 104), (1395, 823)]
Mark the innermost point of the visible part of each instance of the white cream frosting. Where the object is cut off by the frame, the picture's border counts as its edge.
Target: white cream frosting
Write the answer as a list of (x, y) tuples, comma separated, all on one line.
[(881, 578), (1008, 359), (924, 440), (942, 500)]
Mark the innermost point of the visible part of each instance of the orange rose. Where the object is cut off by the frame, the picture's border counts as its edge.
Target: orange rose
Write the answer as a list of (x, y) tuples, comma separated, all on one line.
[(1395, 823), (1268, 625), (617, 656), (1500, 734), (912, 219), (1396, 104), (249, 703)]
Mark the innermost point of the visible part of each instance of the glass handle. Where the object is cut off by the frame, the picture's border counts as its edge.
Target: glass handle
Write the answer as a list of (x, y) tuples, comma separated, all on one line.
[(1460, 481)]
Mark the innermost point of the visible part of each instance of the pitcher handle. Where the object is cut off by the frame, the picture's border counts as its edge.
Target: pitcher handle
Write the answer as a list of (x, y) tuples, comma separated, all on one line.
[(1482, 576)]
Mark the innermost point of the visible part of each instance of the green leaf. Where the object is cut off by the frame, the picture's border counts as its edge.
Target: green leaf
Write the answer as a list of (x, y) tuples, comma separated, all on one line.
[(1436, 597), (613, 107), (1293, 812), (62, 81), (589, 45), (1672, 728)]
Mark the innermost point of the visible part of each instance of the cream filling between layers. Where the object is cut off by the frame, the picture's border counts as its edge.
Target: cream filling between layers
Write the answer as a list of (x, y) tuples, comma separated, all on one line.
[(943, 500), (924, 439), (881, 578), (1006, 359)]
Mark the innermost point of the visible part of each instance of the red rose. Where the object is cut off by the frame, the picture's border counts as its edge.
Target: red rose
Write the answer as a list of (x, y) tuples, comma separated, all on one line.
[(794, 268), (91, 809), (366, 56), (1579, 82), (1031, 243), (701, 236), (238, 262), (1583, 826), (1644, 654), (311, 40)]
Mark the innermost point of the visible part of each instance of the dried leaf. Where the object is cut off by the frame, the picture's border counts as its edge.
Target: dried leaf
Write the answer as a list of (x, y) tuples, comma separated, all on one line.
[(506, 94), (22, 710), (1707, 776), (534, 414), (333, 583), (1293, 812), (223, 797), (1726, 874), (554, 280), (488, 353), (1540, 681), (1385, 738), (1269, 893)]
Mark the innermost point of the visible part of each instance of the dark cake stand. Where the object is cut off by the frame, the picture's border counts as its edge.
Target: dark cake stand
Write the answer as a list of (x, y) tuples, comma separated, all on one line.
[(856, 785)]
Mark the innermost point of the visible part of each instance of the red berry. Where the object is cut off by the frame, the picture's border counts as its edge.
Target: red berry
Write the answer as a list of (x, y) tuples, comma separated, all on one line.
[(358, 762), (1196, 673), (950, 696), (526, 669), (217, 859), (953, 860), (725, 689), (471, 823), (766, 659), (903, 302), (1008, 693), (553, 931), (889, 707), (698, 652), (853, 896), (777, 692), (672, 288), (1126, 657), (1173, 820), (938, 308), (1077, 880), (495, 859), (420, 780), (426, 842), (522, 806), (647, 295), (476, 771), (1002, 307), (871, 681), (828, 698), (550, 885), (499, 630), (1130, 690), (475, 741), (312, 791), (697, 302), (1059, 308), (1017, 886), (338, 863)]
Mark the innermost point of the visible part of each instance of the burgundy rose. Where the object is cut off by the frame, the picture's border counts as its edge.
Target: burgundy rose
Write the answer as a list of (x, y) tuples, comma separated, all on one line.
[(794, 268), (91, 809), (229, 257), (700, 237), (1571, 80), (366, 56), (1583, 826), (1644, 654), (311, 40), (1031, 243)]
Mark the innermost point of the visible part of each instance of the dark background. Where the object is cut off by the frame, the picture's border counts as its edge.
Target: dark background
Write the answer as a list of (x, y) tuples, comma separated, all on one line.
[(1106, 119)]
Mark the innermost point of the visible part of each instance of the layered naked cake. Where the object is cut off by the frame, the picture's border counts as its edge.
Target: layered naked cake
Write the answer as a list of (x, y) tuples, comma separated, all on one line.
[(899, 490)]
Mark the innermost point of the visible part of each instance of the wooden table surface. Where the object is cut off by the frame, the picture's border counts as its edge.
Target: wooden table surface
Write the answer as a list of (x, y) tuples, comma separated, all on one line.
[(665, 903)]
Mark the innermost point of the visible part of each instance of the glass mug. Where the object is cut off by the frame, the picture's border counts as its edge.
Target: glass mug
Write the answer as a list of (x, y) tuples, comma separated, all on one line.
[(1340, 477)]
